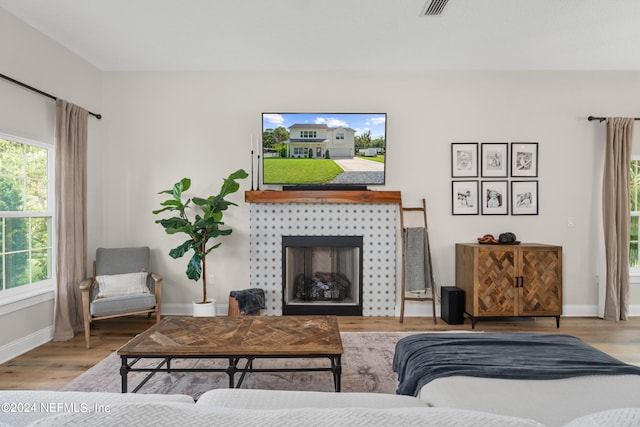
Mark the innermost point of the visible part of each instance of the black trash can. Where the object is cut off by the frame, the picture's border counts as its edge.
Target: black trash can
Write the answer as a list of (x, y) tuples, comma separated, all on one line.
[(452, 305)]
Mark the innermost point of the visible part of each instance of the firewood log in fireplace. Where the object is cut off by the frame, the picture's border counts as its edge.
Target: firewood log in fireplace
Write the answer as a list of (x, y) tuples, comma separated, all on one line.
[(322, 287)]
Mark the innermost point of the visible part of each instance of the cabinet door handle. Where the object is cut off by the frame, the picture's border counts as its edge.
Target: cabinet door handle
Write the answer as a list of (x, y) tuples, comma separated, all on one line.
[(517, 277), (522, 281)]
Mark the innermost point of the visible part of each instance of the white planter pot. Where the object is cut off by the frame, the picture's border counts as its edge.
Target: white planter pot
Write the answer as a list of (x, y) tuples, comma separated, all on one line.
[(207, 309)]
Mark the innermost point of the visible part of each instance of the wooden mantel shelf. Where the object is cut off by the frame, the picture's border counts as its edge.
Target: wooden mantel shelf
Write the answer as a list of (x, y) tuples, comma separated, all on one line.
[(322, 196)]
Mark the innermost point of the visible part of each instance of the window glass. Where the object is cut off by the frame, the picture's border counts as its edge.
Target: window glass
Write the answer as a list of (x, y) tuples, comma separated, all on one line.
[(25, 212), (36, 178)]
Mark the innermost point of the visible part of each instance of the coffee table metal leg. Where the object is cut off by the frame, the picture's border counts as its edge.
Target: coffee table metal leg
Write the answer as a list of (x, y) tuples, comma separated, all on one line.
[(336, 368), (124, 371), (231, 370)]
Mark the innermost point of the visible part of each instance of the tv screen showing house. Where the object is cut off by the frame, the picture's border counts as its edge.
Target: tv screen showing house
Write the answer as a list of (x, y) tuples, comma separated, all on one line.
[(333, 149)]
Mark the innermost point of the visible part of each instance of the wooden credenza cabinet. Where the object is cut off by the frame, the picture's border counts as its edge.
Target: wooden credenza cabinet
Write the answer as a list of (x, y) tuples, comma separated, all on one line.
[(510, 280)]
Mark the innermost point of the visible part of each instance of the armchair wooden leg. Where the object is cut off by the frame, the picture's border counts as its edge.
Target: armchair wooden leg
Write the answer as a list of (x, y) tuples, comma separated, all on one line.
[(87, 332), (85, 289)]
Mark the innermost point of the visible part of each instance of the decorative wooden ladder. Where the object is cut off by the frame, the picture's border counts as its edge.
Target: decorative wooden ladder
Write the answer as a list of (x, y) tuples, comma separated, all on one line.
[(427, 294)]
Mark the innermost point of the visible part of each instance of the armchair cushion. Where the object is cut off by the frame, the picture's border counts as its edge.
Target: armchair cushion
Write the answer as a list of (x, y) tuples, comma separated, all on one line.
[(122, 284), (121, 304), (122, 260)]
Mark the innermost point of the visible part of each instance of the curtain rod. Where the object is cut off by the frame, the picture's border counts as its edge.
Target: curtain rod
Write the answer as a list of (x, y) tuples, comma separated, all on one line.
[(602, 119), (31, 88)]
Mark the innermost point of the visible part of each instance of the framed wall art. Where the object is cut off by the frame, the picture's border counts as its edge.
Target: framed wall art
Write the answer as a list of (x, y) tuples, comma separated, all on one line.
[(494, 160), (464, 197), (524, 197), (464, 159), (524, 159), (494, 196)]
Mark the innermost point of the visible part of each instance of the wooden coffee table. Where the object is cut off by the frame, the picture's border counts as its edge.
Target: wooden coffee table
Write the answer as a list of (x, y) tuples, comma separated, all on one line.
[(234, 338)]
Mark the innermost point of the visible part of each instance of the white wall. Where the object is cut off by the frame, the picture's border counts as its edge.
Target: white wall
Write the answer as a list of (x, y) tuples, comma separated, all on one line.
[(165, 126), (34, 59)]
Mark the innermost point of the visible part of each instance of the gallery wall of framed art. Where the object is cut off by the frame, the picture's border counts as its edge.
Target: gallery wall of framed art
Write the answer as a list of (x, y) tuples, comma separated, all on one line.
[(516, 193)]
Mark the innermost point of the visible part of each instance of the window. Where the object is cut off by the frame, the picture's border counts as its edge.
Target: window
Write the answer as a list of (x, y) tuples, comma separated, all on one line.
[(300, 151), (307, 134), (26, 212), (340, 135)]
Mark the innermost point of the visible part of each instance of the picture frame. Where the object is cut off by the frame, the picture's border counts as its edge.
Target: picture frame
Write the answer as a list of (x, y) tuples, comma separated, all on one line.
[(524, 197), (524, 159), (494, 197), (464, 160), (494, 159), (464, 198)]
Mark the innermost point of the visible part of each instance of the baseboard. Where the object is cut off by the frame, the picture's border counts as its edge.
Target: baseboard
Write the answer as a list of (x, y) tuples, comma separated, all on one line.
[(26, 343), (580, 310), (172, 309), (417, 309), (413, 309)]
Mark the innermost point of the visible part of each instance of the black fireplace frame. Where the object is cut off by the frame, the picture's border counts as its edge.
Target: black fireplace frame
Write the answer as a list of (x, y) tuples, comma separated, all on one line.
[(320, 308)]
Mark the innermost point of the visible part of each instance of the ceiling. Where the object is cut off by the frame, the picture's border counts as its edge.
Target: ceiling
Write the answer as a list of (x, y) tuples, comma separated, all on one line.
[(194, 35)]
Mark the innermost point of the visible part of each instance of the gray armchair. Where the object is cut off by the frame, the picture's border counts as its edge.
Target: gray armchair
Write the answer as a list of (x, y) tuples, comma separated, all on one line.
[(117, 269)]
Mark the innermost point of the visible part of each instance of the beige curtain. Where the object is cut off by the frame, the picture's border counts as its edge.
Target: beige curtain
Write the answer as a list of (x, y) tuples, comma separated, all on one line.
[(71, 213), (616, 218)]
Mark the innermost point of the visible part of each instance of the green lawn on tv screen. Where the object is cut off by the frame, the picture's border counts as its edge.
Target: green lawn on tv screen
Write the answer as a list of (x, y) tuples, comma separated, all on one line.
[(300, 171), (379, 158)]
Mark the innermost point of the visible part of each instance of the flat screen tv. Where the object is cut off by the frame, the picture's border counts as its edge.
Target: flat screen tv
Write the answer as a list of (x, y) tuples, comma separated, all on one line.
[(324, 150)]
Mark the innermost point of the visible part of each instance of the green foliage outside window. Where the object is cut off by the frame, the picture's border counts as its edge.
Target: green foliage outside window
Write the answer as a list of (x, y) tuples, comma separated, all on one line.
[(25, 223)]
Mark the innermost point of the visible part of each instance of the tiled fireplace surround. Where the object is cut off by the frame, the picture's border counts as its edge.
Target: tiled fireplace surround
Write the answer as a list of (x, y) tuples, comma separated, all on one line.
[(370, 214)]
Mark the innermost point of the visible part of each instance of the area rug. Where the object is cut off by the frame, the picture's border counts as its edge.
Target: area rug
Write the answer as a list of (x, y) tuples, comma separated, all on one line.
[(366, 367)]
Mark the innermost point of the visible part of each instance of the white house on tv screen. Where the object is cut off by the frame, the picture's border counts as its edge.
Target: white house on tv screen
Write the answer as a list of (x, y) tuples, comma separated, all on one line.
[(318, 138)]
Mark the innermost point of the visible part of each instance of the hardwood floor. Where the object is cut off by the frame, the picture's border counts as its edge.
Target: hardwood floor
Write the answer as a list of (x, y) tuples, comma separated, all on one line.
[(52, 365)]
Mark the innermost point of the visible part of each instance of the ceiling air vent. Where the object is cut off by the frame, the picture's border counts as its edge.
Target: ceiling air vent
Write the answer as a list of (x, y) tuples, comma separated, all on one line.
[(434, 7)]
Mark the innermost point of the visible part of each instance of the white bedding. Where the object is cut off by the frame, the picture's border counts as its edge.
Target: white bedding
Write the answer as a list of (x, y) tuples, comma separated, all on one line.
[(183, 415), (240, 398), (550, 402), (623, 417)]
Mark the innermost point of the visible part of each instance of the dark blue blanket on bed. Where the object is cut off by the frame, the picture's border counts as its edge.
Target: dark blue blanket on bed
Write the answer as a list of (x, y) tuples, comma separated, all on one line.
[(421, 358)]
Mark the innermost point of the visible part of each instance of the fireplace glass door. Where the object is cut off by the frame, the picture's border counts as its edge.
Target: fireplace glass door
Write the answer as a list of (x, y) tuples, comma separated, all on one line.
[(322, 275)]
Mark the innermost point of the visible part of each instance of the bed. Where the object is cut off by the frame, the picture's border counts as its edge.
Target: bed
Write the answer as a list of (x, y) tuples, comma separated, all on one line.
[(551, 378)]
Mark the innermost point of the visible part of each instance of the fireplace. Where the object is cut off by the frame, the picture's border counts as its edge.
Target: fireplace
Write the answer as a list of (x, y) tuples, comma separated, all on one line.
[(322, 275), (370, 214)]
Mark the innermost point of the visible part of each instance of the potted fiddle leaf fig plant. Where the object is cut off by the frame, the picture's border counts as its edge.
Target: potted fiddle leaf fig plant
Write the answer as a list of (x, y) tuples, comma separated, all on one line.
[(202, 227)]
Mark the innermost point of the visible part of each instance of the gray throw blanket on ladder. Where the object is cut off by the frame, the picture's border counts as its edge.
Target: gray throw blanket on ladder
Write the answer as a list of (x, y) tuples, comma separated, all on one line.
[(416, 258)]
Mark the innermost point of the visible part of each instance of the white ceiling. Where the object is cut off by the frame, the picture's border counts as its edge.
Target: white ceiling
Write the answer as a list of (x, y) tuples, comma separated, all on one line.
[(341, 34)]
